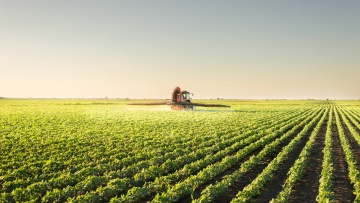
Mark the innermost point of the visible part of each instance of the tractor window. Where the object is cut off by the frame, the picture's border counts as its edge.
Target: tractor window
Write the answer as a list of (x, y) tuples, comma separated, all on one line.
[(186, 96)]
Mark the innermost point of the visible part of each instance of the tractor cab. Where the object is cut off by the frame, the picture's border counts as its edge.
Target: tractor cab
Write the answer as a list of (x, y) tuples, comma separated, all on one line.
[(180, 96), (185, 96)]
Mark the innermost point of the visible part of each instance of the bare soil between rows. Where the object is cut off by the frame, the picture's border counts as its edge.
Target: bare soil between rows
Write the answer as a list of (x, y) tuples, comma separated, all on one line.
[(253, 173), (273, 188), (307, 188), (246, 179), (341, 182), (355, 146)]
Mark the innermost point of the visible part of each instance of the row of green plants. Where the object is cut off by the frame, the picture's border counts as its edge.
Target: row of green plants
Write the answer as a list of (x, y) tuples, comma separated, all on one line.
[(354, 174), (188, 186), (150, 173), (162, 181), (254, 188), (345, 118), (66, 180), (211, 192), (296, 172), (97, 145), (326, 193), (87, 153)]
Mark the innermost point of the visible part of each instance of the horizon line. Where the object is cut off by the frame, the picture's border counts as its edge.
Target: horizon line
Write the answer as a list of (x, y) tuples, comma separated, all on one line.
[(126, 98)]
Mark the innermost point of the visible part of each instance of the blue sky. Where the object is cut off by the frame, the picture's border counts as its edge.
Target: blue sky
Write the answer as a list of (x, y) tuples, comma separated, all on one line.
[(142, 49)]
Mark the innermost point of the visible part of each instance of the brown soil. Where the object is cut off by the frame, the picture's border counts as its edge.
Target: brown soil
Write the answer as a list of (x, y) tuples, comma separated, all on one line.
[(197, 192), (341, 183), (247, 178), (306, 189), (357, 117), (273, 188), (355, 146)]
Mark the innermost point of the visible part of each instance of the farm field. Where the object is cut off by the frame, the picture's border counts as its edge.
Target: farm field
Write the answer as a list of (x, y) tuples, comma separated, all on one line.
[(107, 151)]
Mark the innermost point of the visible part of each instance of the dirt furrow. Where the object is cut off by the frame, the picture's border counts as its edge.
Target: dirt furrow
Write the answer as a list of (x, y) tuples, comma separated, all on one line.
[(356, 115), (247, 178), (352, 123), (272, 188), (341, 182), (355, 147), (307, 188), (252, 174), (197, 192)]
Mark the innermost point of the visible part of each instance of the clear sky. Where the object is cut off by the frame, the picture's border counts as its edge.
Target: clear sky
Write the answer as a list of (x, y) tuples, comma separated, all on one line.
[(215, 49)]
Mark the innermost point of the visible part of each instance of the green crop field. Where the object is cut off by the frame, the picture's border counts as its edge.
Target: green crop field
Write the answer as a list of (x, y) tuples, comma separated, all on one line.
[(107, 151)]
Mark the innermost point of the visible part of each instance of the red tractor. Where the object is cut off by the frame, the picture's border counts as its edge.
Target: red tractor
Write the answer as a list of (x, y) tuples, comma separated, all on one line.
[(180, 100)]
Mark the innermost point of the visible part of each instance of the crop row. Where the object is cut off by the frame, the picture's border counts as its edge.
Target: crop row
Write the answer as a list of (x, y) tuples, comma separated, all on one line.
[(326, 193), (354, 174), (255, 186), (212, 192), (41, 187), (108, 153), (101, 155), (113, 154), (297, 170), (187, 186), (192, 165)]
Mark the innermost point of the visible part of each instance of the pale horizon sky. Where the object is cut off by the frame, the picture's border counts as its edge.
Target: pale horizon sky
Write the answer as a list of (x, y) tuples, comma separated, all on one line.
[(215, 49)]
